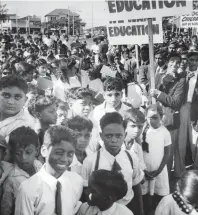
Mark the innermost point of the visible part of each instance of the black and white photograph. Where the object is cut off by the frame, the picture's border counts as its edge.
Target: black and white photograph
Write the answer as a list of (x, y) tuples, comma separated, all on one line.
[(98, 107)]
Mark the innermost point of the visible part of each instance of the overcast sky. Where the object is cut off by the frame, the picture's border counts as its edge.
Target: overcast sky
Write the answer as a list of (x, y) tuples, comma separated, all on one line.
[(41, 8)]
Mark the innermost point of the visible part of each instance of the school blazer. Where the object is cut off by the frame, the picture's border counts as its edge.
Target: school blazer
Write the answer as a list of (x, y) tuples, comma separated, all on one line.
[(172, 97)]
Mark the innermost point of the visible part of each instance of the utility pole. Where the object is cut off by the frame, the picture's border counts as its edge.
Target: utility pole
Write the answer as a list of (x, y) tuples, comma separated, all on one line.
[(68, 27), (92, 19), (73, 25), (16, 22)]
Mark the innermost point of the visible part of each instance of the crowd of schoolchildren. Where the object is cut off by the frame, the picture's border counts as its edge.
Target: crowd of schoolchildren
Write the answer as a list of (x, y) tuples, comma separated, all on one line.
[(75, 140)]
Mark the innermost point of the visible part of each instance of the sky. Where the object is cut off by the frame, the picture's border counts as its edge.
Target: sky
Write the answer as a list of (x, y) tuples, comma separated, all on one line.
[(41, 8)]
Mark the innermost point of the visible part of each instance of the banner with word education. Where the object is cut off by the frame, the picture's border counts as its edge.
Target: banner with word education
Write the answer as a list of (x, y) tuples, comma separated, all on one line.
[(138, 9), (189, 21), (134, 31)]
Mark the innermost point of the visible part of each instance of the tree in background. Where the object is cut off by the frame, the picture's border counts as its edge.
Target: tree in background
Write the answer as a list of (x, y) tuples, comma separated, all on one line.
[(3, 12)]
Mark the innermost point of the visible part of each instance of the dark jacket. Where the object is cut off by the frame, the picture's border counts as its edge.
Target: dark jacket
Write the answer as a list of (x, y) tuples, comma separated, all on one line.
[(172, 97)]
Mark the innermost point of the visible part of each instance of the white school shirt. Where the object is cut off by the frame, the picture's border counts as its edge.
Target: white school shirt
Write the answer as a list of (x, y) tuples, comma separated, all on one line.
[(168, 206), (157, 139), (76, 166), (132, 176), (36, 195), (115, 209), (100, 110), (192, 84), (137, 149)]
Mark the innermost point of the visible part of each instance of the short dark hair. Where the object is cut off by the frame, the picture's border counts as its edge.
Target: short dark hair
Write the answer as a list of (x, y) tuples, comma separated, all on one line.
[(13, 81), (194, 36), (173, 54), (110, 183), (22, 137), (39, 102), (187, 186), (134, 115), (80, 123), (113, 84), (55, 134), (157, 108), (79, 93), (112, 118)]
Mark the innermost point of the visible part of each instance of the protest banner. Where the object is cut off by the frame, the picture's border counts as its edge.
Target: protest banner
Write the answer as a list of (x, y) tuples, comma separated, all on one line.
[(125, 10), (189, 21), (134, 31), (120, 14)]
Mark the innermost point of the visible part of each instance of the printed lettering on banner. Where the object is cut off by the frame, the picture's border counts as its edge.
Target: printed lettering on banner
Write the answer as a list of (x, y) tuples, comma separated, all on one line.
[(189, 21), (138, 9), (134, 31)]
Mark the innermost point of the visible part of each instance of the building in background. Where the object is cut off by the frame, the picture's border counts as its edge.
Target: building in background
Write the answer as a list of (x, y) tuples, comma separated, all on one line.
[(58, 20), (28, 24)]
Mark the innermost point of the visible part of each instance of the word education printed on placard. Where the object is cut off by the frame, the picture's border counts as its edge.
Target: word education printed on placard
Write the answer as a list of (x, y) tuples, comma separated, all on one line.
[(127, 20), (134, 31)]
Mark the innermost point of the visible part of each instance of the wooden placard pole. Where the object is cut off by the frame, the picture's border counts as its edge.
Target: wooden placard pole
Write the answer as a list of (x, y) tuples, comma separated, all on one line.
[(151, 56), (137, 63)]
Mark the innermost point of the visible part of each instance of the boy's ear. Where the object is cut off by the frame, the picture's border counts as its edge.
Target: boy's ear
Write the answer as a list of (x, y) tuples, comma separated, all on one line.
[(44, 151), (38, 115)]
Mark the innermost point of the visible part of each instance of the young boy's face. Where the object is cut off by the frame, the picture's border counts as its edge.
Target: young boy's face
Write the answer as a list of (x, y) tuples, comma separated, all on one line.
[(58, 157), (113, 136), (61, 117), (83, 138), (24, 157), (48, 115), (42, 70), (113, 98), (82, 107), (133, 130), (12, 100)]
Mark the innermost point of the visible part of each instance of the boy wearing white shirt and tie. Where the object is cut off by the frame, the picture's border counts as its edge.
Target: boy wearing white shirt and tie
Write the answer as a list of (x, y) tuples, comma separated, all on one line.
[(112, 157), (53, 190)]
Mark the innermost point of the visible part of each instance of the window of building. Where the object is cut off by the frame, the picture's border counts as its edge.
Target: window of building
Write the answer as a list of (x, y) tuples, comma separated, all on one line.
[(53, 18)]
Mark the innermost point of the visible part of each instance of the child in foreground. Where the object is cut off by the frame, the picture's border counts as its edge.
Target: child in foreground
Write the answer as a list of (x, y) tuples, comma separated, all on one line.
[(105, 189), (184, 200), (82, 128), (112, 157), (24, 146), (156, 151), (53, 190), (13, 92), (135, 123)]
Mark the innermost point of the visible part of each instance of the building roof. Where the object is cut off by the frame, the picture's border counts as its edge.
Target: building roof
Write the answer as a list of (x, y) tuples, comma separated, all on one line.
[(57, 12)]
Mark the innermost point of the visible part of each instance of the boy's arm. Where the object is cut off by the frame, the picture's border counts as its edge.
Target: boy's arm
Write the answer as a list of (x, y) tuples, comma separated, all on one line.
[(138, 196), (167, 150), (138, 176), (24, 204), (7, 201)]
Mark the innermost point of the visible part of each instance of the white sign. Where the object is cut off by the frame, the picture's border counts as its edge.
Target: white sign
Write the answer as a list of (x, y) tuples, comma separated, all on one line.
[(134, 31), (106, 71), (138, 9), (189, 21)]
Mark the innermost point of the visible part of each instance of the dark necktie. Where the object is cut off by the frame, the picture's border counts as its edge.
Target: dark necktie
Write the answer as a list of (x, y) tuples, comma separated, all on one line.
[(58, 203), (116, 167)]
